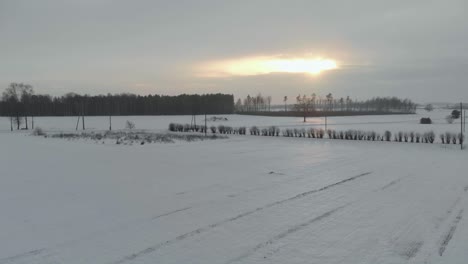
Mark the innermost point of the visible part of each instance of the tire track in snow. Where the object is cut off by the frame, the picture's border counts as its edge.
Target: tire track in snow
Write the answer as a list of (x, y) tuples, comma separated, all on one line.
[(232, 219), (450, 233), (412, 249), (171, 212), (390, 184), (22, 255), (285, 233), (37, 252)]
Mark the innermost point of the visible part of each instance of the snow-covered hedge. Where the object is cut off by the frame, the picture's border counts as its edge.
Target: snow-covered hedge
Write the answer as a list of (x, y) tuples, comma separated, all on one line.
[(350, 134), (133, 137), (221, 129)]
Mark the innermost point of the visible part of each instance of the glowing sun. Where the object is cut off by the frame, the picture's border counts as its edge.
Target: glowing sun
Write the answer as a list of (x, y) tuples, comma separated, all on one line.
[(266, 65)]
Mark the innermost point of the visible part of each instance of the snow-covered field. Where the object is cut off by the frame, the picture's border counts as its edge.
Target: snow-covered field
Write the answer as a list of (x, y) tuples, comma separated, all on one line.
[(245, 199), (393, 123)]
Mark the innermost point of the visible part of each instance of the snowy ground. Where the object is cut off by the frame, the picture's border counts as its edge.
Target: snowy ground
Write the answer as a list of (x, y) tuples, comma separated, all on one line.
[(239, 200), (393, 123)]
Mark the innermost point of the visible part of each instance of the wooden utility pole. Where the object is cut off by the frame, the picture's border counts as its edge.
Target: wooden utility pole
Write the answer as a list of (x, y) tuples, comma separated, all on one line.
[(461, 126), (82, 114), (464, 121), (77, 122), (110, 115), (192, 121)]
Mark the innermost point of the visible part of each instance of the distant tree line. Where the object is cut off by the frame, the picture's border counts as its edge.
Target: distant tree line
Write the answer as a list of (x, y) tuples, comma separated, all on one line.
[(314, 102), (256, 103), (316, 105), (19, 101)]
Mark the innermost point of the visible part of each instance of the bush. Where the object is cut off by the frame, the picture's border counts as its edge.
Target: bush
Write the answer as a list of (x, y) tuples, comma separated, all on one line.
[(129, 125), (213, 129), (429, 108), (425, 120), (455, 114), (221, 129), (242, 130), (442, 138), (388, 135), (180, 127), (254, 131), (312, 132), (303, 132), (449, 119), (429, 137), (321, 132), (273, 131), (172, 127), (448, 137), (39, 132), (418, 136), (400, 136), (288, 132)]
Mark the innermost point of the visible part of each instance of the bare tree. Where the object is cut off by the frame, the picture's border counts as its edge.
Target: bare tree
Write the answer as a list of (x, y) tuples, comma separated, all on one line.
[(26, 94), (330, 101), (303, 104), (285, 100), (269, 103), (313, 101), (429, 107), (18, 96), (238, 105), (129, 125)]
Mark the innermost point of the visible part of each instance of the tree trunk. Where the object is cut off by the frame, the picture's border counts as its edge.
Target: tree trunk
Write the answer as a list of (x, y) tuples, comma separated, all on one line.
[(82, 115), (26, 120), (32, 122), (11, 123)]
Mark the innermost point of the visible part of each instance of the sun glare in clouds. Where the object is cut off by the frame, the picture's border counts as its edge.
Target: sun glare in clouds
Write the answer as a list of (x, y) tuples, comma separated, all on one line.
[(266, 65)]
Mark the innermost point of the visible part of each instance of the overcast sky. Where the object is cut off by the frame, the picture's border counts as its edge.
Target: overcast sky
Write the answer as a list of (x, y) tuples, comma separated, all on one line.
[(414, 49)]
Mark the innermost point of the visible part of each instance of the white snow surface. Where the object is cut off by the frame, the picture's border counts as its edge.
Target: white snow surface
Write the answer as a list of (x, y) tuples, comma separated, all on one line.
[(393, 123), (245, 199)]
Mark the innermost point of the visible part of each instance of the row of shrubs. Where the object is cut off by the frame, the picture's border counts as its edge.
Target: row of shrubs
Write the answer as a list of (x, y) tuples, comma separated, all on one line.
[(271, 131), (221, 129), (453, 138), (409, 137), (428, 137)]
